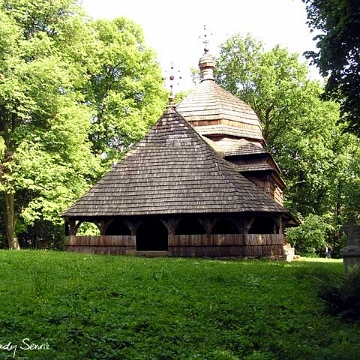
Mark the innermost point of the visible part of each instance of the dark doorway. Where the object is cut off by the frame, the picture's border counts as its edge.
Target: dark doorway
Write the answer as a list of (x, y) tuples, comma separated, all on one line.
[(152, 235)]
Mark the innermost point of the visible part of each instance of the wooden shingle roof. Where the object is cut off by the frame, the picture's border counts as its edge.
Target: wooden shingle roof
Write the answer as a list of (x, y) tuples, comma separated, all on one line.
[(245, 150), (213, 110), (253, 167), (172, 170)]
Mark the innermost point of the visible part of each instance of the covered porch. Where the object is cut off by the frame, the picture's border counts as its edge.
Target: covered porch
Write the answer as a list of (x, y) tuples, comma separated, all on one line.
[(230, 235)]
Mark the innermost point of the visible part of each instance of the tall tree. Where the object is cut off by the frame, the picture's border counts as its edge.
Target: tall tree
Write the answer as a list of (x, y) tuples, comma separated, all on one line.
[(301, 129), (336, 24), (273, 82), (73, 92), (46, 158), (125, 88)]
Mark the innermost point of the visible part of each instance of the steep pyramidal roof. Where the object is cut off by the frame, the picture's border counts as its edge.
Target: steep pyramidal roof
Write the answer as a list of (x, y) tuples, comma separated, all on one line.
[(172, 170), (232, 129)]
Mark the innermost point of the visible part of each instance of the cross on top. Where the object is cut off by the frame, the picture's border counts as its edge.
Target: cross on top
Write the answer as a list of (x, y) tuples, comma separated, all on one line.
[(170, 81), (205, 40), (353, 232)]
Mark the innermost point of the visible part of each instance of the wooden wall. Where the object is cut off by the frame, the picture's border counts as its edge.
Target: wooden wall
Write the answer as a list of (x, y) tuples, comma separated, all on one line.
[(214, 245), (112, 245), (269, 186), (229, 245)]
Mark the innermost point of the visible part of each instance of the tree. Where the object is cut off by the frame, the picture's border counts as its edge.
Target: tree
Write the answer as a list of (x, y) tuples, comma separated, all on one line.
[(351, 186), (274, 83), (73, 93), (337, 27), (301, 129), (125, 88), (46, 160), (310, 237)]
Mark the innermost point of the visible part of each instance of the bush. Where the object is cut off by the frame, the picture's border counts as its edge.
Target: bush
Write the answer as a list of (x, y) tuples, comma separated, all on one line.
[(310, 237), (343, 297)]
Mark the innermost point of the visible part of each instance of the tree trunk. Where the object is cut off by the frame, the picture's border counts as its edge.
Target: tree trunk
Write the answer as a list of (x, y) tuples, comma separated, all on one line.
[(10, 221)]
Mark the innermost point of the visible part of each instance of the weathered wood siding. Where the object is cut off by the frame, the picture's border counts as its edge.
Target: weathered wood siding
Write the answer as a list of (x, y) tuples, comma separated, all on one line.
[(264, 245), (113, 245), (269, 186), (215, 245), (206, 240), (229, 245), (264, 239)]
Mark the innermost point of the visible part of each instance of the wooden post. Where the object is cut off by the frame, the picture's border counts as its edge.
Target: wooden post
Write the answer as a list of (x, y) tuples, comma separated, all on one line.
[(170, 225), (67, 228), (72, 227), (279, 224), (206, 224)]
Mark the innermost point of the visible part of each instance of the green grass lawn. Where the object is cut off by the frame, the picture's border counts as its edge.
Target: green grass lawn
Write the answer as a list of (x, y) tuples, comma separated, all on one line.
[(57, 305)]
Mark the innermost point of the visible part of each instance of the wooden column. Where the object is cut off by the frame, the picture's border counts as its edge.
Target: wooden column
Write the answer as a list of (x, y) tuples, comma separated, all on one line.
[(72, 227), (207, 224), (170, 225)]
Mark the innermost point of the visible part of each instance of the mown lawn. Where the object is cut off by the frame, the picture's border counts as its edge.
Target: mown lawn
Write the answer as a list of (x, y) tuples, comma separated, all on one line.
[(57, 305)]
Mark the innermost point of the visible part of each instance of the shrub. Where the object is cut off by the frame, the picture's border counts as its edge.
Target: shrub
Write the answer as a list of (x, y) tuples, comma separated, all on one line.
[(310, 237), (343, 297)]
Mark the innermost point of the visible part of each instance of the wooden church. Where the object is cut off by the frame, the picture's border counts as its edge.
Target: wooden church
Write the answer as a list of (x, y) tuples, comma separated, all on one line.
[(200, 183)]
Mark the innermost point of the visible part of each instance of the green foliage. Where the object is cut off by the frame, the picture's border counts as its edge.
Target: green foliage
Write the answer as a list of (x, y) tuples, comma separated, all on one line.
[(125, 88), (351, 180), (75, 94), (275, 85), (311, 236), (336, 25), (272, 82), (87, 228), (342, 296), (179, 96), (44, 122), (40, 235), (110, 307), (318, 160)]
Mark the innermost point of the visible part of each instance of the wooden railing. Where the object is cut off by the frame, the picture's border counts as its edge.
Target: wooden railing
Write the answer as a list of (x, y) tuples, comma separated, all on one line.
[(116, 245), (214, 245), (226, 239), (228, 245)]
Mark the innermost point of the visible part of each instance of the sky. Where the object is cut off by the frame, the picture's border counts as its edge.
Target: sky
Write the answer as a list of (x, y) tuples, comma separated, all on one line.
[(175, 29)]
